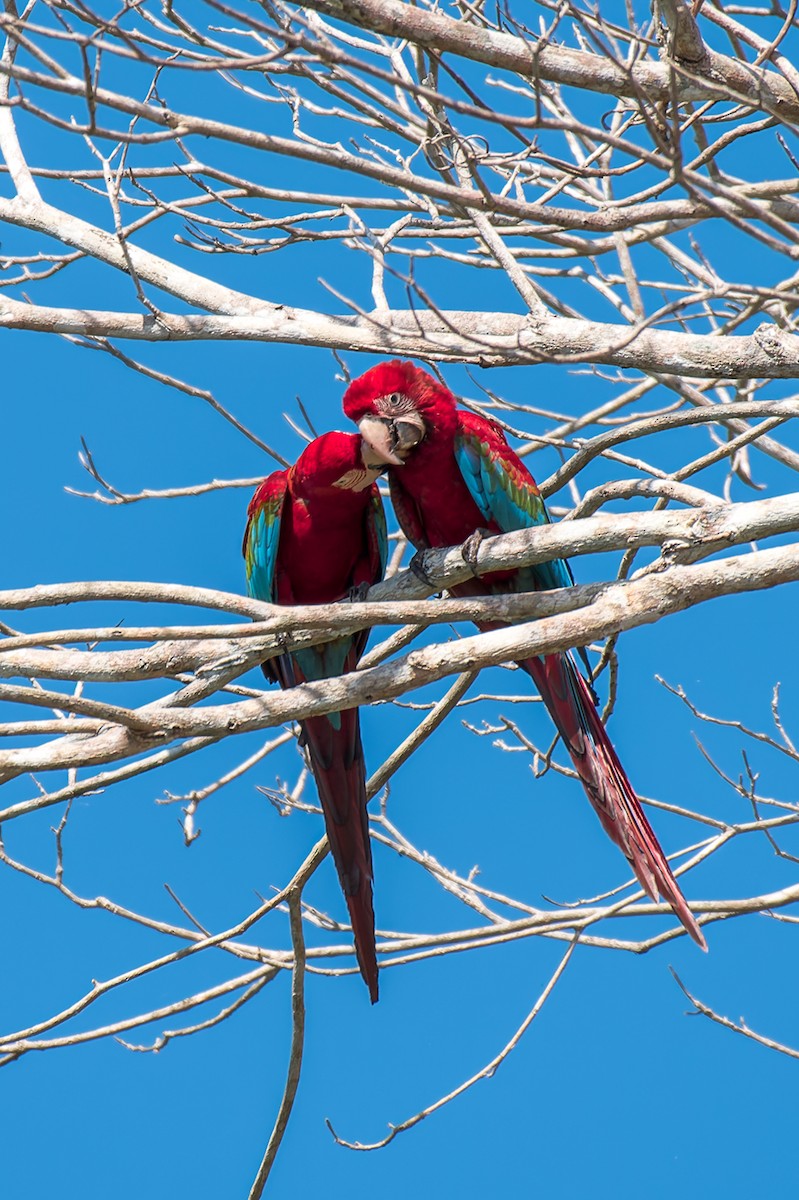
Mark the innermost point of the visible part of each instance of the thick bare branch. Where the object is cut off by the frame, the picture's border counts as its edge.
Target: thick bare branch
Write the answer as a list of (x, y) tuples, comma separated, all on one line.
[(619, 607), (490, 339)]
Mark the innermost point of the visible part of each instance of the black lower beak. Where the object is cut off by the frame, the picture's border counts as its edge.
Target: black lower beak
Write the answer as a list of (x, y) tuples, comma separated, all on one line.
[(404, 435)]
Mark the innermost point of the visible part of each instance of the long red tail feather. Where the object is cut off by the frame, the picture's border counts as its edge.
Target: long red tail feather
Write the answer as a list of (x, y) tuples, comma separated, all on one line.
[(571, 706), (340, 772)]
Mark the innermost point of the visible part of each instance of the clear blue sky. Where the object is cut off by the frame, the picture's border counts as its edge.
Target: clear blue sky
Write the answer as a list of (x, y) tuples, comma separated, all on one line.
[(613, 1085), (614, 1091)]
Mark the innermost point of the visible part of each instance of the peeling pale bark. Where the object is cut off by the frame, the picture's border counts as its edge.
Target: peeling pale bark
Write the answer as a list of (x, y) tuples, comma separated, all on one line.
[(488, 338), (560, 64), (618, 607)]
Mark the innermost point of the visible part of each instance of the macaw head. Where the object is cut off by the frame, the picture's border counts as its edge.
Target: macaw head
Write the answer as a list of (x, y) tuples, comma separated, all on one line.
[(339, 460), (396, 406)]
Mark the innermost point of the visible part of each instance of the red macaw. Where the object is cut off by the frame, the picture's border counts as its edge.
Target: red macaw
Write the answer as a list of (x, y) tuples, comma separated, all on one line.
[(453, 476), (316, 533)]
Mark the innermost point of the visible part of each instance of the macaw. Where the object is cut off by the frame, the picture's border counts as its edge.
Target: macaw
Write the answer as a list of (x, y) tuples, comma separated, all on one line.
[(453, 477), (316, 533)]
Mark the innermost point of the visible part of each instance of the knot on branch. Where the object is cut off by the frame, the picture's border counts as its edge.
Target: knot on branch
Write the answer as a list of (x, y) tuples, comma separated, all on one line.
[(780, 346), (679, 36), (676, 551)]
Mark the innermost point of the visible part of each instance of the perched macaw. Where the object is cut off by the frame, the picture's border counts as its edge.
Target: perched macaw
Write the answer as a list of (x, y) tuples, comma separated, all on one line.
[(316, 533), (453, 476)]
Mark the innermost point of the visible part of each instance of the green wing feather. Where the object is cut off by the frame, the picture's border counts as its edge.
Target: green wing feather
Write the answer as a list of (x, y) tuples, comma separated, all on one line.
[(503, 489)]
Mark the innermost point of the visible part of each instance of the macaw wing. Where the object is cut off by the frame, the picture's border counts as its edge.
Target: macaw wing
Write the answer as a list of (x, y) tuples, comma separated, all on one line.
[(262, 537), (503, 489), (407, 513), (261, 541), (376, 535)]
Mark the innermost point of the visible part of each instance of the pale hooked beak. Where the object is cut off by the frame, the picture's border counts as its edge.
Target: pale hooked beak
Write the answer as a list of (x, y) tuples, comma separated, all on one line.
[(392, 438)]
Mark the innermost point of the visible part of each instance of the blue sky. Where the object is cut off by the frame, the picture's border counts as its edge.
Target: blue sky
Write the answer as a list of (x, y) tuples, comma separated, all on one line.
[(613, 1084), (614, 1091)]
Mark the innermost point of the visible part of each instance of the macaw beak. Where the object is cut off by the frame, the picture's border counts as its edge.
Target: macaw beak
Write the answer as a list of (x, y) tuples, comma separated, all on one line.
[(409, 430), (391, 438)]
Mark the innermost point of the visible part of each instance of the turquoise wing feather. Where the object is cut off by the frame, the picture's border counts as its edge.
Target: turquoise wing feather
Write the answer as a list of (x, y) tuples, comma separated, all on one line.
[(504, 490), (262, 537)]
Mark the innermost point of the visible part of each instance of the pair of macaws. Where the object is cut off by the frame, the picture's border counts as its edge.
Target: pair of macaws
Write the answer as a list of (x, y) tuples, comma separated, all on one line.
[(316, 534)]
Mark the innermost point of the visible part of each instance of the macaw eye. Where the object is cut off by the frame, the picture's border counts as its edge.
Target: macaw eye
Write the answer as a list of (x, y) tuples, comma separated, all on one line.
[(394, 399)]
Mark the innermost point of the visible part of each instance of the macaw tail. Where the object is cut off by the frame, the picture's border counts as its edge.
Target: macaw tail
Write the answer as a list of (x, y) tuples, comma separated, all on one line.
[(337, 761), (571, 706)]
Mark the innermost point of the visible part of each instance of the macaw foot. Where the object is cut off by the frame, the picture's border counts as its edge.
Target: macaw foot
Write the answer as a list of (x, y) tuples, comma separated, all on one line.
[(358, 593), (417, 565), (471, 548)]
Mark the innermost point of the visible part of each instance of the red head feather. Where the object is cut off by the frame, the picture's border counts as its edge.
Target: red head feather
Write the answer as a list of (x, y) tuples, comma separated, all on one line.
[(328, 459), (427, 396)]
